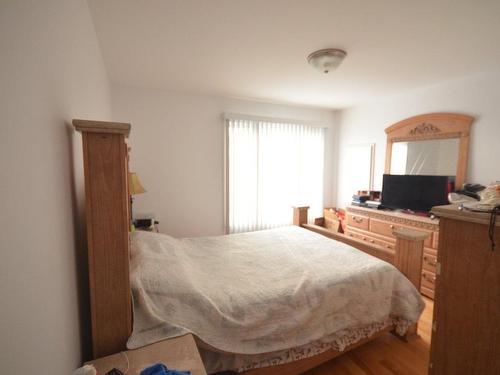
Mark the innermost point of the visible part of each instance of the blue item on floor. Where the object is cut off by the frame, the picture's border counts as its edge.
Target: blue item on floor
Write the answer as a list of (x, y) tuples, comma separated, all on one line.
[(161, 369)]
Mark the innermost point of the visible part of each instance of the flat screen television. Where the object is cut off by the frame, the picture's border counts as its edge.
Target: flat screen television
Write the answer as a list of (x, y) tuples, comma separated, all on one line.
[(416, 193)]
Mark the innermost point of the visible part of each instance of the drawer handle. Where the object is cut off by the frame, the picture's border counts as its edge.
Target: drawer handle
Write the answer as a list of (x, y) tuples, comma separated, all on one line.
[(430, 262), (429, 279), (357, 219), (372, 241), (364, 238)]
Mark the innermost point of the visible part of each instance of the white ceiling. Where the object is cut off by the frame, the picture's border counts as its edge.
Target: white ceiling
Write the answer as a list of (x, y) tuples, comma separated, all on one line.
[(257, 48)]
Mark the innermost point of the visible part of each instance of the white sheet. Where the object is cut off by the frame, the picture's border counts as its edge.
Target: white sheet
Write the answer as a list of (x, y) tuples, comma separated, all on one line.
[(261, 292)]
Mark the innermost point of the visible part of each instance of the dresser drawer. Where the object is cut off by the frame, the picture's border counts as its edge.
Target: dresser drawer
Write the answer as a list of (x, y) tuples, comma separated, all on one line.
[(358, 221), (366, 237), (427, 292), (382, 227), (386, 245), (429, 262), (386, 228), (428, 279), (353, 234), (431, 251)]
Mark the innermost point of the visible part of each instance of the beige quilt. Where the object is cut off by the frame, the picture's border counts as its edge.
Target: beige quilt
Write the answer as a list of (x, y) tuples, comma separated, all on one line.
[(262, 292)]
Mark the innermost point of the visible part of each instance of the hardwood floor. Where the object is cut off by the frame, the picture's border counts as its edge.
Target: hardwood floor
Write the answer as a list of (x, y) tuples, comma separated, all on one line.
[(386, 355)]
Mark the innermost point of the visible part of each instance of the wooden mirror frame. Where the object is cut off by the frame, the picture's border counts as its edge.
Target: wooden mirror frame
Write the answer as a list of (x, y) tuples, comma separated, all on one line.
[(433, 126)]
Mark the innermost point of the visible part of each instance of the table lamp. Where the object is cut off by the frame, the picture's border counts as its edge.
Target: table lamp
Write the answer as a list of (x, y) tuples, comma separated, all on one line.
[(134, 187)]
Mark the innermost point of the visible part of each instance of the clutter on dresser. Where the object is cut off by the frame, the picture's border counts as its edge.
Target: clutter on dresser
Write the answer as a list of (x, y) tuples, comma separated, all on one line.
[(488, 198), (489, 202), (468, 193), (366, 198)]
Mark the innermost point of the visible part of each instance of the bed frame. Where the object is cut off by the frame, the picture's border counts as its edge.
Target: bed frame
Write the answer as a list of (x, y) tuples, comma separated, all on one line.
[(108, 224)]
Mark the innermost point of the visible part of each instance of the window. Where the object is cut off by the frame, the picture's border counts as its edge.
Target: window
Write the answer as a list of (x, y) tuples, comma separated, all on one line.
[(270, 167)]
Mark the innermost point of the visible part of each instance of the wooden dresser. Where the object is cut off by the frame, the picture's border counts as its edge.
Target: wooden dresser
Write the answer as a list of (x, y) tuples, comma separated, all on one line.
[(377, 226), (466, 323)]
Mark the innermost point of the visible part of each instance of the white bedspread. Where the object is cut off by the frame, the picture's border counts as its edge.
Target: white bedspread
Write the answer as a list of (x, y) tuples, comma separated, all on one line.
[(261, 292)]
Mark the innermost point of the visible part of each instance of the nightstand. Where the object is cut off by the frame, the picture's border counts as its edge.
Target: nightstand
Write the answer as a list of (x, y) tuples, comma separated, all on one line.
[(179, 353), (149, 224)]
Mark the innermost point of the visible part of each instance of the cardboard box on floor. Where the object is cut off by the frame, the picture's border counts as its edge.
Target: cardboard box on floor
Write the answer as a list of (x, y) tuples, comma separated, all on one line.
[(179, 353)]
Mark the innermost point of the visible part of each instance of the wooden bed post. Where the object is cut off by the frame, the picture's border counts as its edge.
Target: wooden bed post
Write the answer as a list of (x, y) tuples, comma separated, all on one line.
[(107, 215), (409, 251), (408, 260), (300, 215)]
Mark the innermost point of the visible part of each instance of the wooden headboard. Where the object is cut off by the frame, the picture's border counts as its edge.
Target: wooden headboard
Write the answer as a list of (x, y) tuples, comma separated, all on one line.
[(107, 214)]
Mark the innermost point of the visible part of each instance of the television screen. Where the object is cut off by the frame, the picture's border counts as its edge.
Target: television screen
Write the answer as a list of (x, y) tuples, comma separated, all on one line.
[(416, 193)]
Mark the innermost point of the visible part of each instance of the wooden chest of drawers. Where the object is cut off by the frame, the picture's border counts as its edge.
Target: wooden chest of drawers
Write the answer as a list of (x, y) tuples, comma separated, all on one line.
[(376, 227), (466, 320)]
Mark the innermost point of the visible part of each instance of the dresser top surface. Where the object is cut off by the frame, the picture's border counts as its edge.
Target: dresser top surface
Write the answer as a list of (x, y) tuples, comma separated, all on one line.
[(397, 214), (452, 211)]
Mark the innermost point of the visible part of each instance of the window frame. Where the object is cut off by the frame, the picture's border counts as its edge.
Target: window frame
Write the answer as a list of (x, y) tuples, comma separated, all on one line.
[(235, 116)]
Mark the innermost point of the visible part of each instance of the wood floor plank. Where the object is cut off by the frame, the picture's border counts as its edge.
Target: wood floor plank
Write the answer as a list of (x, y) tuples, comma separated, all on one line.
[(386, 355)]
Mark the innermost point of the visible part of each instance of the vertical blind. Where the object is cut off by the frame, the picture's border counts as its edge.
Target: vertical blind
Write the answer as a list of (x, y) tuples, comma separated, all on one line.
[(271, 167)]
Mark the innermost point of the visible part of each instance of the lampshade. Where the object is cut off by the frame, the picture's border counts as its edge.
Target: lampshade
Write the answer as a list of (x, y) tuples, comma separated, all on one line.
[(134, 185), (326, 60)]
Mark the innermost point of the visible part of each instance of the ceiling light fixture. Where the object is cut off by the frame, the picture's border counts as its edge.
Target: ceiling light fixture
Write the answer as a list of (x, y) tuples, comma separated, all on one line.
[(326, 60)]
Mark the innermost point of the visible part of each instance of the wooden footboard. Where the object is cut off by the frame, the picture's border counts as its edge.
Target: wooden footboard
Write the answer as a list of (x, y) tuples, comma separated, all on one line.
[(377, 251), (407, 256)]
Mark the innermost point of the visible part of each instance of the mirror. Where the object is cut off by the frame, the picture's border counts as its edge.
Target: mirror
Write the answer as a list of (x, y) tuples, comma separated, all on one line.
[(430, 144), (434, 157)]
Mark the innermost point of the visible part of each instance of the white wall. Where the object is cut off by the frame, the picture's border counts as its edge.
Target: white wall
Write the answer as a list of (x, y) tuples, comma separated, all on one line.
[(177, 150), (478, 96), (50, 72)]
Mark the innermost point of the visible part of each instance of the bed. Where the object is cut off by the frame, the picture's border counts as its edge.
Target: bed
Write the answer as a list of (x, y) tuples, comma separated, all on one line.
[(249, 298), (272, 302)]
